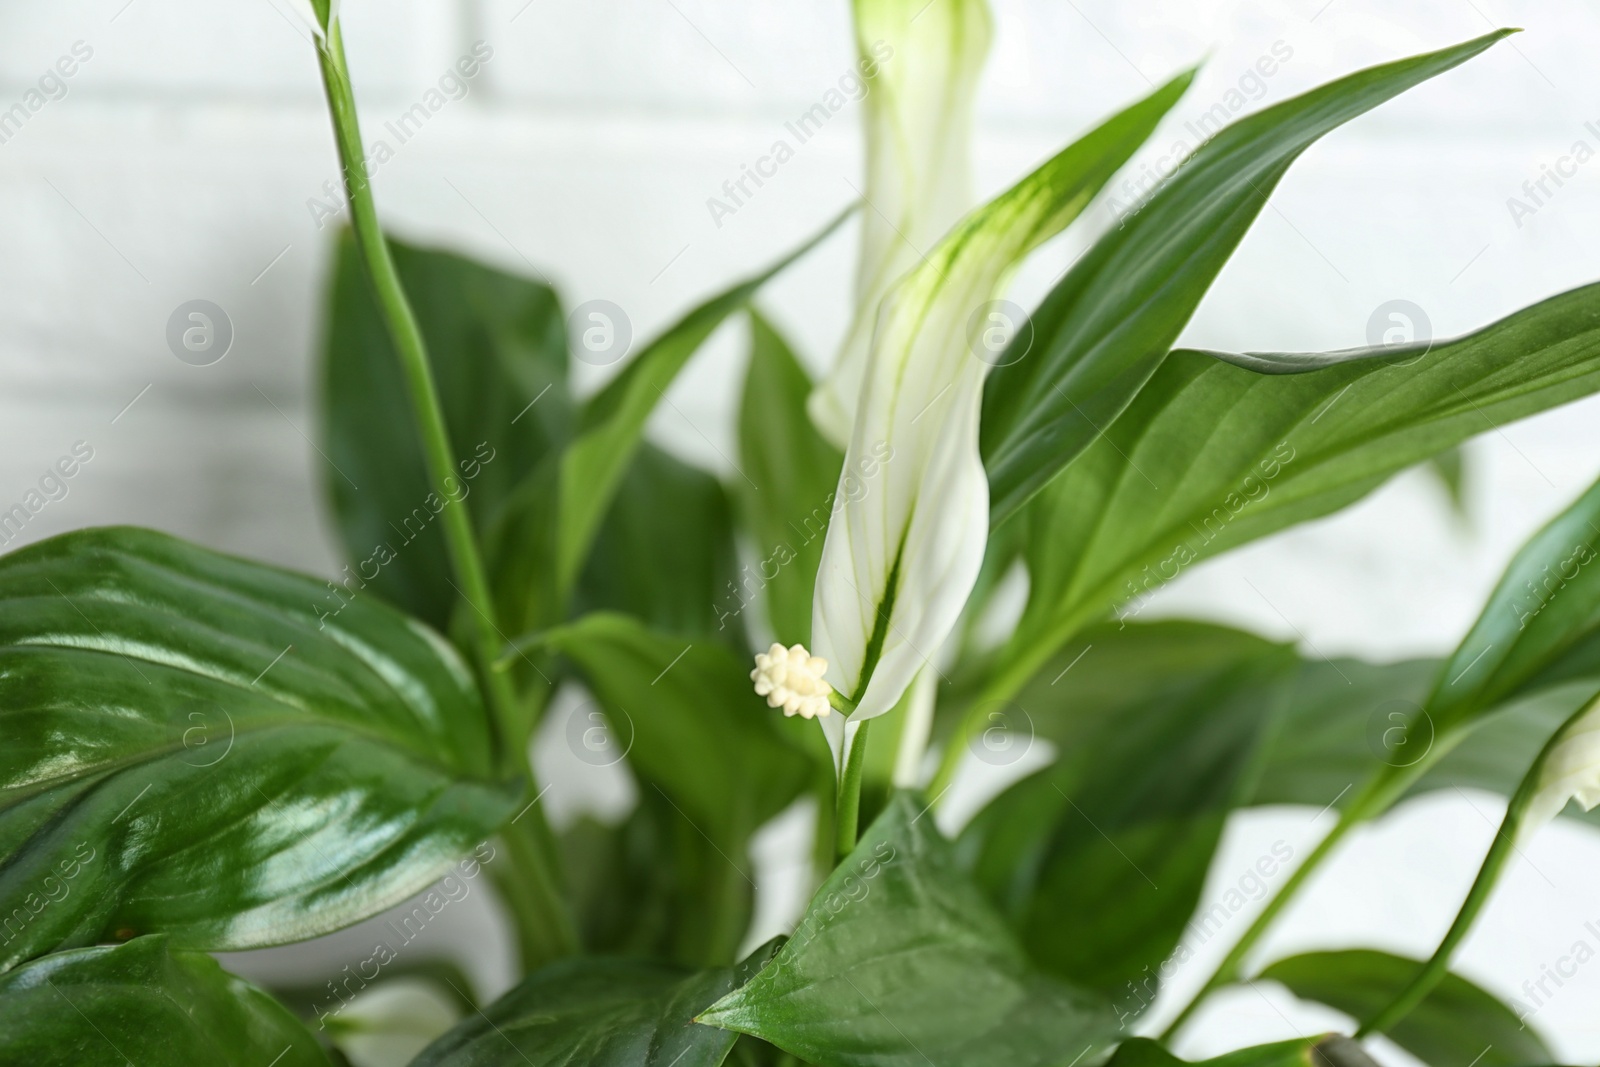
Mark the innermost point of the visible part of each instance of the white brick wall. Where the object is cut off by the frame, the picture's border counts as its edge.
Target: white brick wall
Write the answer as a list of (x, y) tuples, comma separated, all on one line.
[(179, 163)]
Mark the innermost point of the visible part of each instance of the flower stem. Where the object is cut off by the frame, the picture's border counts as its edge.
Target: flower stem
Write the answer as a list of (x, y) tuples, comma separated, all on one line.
[(406, 335), (539, 881), (1438, 965), (1228, 971), (847, 805), (546, 931)]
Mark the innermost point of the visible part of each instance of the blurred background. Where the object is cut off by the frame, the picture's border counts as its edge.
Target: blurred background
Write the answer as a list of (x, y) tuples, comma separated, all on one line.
[(186, 158)]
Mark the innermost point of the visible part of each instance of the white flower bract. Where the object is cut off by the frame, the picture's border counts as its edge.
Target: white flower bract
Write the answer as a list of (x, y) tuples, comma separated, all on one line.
[(1571, 772), (927, 56), (792, 679)]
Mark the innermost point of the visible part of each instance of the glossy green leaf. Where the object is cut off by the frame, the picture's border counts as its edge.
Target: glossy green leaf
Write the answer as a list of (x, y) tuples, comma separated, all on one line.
[(143, 1003), (1212, 455), (793, 473), (1102, 331), (1458, 1023), (901, 960), (196, 744), (598, 1013), (498, 350), (612, 422), (665, 552), (1143, 1052), (1099, 860)]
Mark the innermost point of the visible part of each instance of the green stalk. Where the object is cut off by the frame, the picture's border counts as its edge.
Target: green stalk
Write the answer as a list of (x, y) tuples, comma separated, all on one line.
[(1438, 965), (1228, 971), (1375, 797), (847, 805), (537, 863), (545, 928), (403, 330)]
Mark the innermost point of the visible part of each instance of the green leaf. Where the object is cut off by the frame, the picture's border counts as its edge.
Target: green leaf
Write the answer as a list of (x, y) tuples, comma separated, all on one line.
[(1099, 860), (1099, 335), (1211, 455), (598, 1013), (1546, 602), (1458, 1023), (1347, 719), (1143, 1052), (613, 421), (794, 472), (143, 1003), (498, 351), (665, 552), (900, 960), (684, 714), (696, 727), (655, 887), (1450, 467), (190, 749)]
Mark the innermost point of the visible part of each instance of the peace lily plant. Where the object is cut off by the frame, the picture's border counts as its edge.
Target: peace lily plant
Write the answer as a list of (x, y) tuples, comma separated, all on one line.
[(206, 754)]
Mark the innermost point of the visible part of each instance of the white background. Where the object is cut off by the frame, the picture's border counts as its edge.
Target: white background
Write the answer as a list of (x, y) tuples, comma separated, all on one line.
[(180, 163)]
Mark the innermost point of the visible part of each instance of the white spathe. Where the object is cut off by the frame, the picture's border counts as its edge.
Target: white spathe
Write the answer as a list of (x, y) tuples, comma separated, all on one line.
[(901, 558), (1571, 771), (927, 55)]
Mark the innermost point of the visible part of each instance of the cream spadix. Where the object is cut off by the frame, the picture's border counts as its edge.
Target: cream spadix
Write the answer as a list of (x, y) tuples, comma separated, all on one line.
[(926, 58), (900, 560)]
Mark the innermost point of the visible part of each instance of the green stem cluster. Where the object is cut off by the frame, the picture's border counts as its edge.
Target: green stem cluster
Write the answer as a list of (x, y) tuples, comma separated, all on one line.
[(533, 893)]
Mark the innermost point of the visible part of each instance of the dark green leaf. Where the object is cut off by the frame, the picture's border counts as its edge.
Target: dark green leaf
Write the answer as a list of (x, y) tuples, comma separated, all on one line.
[(794, 472), (1099, 860), (1211, 456), (1102, 331), (498, 350), (900, 960), (690, 722), (598, 1013), (190, 749), (655, 887), (142, 1003), (1458, 1023), (696, 734), (665, 552)]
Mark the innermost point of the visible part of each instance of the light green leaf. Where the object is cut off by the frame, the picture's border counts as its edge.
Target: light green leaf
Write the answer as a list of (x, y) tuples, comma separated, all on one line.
[(794, 472), (598, 1013), (189, 749), (497, 346), (143, 1003), (1103, 330), (1098, 861), (900, 961), (1458, 1023), (1211, 455)]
